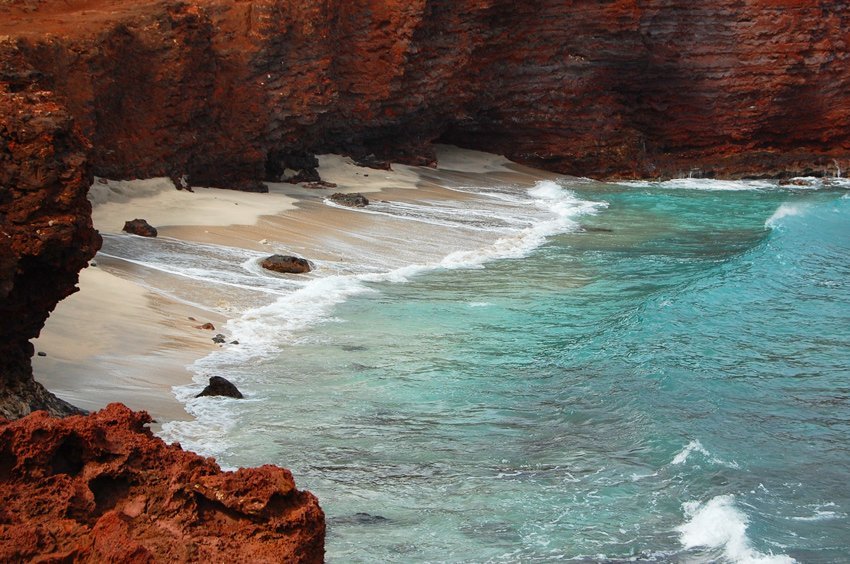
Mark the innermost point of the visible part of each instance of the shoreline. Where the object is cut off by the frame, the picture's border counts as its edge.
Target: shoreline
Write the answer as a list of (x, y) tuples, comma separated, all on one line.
[(138, 342)]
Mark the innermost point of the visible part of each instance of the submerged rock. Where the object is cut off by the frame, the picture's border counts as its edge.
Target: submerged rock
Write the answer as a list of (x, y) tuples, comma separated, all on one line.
[(219, 386), (356, 200), (287, 264), (219, 339), (140, 227), (360, 519)]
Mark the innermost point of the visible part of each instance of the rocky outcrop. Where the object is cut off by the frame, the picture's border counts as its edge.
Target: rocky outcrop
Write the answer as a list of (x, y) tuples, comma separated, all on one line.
[(102, 488), (219, 386), (227, 93), (46, 234)]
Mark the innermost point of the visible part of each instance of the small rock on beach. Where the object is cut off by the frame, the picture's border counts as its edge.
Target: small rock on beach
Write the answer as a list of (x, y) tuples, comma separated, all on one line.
[(140, 227), (356, 200), (287, 264)]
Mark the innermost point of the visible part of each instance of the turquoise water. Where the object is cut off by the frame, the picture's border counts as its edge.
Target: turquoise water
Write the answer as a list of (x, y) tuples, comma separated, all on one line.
[(671, 383)]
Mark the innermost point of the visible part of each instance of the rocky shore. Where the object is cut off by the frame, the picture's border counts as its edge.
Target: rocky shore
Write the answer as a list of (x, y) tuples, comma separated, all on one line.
[(102, 488), (229, 94)]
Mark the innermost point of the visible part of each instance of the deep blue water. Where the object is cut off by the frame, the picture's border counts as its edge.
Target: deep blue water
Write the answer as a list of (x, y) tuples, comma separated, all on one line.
[(671, 383)]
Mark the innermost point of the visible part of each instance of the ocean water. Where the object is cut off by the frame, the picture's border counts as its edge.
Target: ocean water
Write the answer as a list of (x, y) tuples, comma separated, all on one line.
[(571, 370)]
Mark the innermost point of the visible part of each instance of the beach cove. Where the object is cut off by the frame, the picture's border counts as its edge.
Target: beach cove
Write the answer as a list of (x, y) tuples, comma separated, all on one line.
[(495, 364)]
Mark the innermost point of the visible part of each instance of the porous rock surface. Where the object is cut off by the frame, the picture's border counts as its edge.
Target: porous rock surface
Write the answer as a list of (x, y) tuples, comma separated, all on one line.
[(102, 488), (356, 200), (46, 234)]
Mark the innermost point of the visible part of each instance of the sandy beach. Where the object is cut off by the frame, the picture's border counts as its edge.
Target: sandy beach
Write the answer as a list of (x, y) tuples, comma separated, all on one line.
[(124, 338)]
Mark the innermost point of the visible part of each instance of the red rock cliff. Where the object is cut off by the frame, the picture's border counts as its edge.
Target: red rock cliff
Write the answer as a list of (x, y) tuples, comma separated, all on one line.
[(103, 489), (46, 234), (615, 88)]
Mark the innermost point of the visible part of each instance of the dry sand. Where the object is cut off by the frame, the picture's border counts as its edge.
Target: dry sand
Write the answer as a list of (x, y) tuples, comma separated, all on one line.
[(119, 340)]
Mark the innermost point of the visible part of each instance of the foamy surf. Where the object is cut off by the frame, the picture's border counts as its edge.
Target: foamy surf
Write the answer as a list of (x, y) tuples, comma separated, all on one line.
[(718, 524), (707, 184), (695, 447), (269, 327), (787, 209), (516, 223)]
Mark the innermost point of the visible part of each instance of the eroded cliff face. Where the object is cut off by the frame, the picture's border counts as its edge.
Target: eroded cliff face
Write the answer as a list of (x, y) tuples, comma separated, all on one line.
[(46, 235), (103, 489), (214, 89)]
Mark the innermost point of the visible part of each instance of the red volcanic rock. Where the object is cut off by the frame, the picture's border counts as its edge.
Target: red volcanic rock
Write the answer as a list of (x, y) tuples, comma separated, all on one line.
[(46, 234), (226, 92), (102, 488)]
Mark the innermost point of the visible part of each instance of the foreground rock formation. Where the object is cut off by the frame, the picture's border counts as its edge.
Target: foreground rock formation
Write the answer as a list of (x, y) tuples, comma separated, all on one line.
[(103, 489), (229, 92), (46, 234)]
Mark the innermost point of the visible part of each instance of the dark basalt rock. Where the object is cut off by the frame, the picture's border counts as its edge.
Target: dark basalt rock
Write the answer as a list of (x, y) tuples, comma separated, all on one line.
[(220, 339), (356, 200), (140, 227), (371, 161), (287, 264), (219, 386), (318, 185)]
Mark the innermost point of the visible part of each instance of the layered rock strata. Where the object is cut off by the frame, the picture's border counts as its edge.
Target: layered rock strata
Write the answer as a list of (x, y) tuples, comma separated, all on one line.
[(225, 91), (103, 489)]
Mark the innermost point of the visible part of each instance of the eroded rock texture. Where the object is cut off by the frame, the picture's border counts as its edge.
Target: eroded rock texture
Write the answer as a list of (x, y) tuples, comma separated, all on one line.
[(103, 489), (46, 234), (221, 91)]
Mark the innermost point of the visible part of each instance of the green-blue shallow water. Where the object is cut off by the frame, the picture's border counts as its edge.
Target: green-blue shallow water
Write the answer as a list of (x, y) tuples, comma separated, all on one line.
[(671, 384)]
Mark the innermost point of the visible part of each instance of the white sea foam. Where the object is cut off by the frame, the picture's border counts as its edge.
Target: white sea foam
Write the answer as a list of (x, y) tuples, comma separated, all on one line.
[(696, 447), (788, 209), (718, 524), (563, 205), (707, 184), (825, 512), (514, 226)]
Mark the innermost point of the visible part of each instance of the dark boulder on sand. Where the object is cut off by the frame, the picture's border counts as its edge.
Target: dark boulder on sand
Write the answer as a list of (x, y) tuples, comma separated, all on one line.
[(356, 200), (140, 227), (287, 264), (219, 386)]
